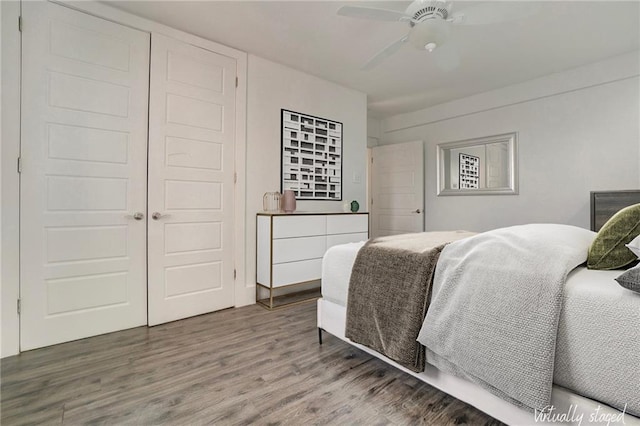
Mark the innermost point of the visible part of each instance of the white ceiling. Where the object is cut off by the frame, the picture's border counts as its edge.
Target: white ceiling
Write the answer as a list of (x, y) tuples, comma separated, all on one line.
[(309, 36)]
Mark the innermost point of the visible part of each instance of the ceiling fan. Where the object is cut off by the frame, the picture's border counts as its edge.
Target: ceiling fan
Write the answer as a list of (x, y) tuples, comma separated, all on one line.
[(430, 23)]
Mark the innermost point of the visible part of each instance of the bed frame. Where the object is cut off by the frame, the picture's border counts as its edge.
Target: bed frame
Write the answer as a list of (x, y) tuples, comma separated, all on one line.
[(332, 319)]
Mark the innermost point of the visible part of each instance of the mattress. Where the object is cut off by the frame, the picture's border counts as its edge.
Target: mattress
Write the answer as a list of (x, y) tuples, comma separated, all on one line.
[(336, 271), (598, 345)]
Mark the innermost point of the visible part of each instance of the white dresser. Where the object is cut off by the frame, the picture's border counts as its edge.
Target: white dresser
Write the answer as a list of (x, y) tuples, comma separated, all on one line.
[(290, 249)]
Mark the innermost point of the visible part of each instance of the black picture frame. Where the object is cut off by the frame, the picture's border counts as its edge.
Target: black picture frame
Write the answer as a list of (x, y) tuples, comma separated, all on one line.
[(316, 146)]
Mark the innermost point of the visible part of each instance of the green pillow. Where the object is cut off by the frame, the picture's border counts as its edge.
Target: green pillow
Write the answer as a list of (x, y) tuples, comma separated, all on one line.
[(608, 250)]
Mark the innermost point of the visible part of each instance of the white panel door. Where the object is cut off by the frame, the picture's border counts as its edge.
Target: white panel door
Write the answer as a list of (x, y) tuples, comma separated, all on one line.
[(84, 142), (497, 165), (191, 169), (397, 189)]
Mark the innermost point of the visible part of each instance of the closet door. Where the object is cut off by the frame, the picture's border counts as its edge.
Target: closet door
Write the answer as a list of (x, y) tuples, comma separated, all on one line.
[(83, 184), (191, 169)]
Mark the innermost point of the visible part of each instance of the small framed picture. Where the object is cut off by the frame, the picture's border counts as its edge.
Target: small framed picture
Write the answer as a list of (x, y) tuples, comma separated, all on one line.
[(468, 171)]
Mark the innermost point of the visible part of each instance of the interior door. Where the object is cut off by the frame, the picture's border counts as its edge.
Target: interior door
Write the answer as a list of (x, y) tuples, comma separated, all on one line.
[(497, 165), (397, 189), (191, 180), (83, 183)]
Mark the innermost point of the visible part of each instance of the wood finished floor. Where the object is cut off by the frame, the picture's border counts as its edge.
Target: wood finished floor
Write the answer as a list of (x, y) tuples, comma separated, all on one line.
[(238, 366)]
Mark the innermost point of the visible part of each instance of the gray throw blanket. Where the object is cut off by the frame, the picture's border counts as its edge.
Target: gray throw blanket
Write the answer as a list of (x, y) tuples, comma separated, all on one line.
[(389, 293), (495, 308)]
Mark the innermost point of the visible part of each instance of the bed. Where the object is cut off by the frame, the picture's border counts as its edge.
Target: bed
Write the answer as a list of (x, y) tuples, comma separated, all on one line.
[(597, 334)]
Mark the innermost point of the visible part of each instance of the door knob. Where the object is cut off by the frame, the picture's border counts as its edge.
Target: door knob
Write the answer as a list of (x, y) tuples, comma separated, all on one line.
[(136, 216), (418, 211), (156, 215)]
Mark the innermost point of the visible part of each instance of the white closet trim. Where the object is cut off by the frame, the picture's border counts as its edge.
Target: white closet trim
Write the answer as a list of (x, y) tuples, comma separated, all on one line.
[(10, 136)]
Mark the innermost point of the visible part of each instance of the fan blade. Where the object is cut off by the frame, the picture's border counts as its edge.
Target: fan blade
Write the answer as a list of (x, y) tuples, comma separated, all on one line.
[(384, 53), (446, 57), (494, 13), (373, 13)]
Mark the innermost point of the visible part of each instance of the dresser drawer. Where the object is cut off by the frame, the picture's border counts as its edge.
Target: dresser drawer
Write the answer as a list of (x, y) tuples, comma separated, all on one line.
[(299, 226), (296, 272), (334, 240), (302, 248), (347, 224)]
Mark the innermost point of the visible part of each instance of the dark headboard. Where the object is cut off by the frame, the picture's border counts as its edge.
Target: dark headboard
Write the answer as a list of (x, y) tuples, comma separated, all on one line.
[(605, 204)]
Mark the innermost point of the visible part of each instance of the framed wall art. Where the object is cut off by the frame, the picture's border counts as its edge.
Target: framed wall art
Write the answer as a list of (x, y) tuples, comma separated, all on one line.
[(469, 171), (311, 159)]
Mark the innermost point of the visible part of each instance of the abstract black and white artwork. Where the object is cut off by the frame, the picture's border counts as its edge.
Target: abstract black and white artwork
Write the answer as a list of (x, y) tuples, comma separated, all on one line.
[(469, 171), (311, 156)]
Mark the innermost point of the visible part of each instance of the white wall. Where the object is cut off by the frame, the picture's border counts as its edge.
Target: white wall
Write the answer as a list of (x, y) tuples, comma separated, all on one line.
[(271, 87), (373, 132), (578, 132)]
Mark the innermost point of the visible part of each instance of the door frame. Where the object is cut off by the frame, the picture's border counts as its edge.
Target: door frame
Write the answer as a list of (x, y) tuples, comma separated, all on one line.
[(10, 151), (9, 178)]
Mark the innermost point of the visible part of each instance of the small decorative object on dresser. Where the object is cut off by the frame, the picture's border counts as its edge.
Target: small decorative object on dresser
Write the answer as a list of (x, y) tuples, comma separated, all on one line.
[(271, 202), (288, 201), (355, 206)]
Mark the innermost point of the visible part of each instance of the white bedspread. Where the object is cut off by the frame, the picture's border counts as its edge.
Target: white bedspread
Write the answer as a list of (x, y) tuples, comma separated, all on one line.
[(494, 319)]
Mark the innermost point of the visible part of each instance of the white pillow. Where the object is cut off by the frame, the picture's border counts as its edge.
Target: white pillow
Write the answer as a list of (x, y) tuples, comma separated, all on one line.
[(634, 246)]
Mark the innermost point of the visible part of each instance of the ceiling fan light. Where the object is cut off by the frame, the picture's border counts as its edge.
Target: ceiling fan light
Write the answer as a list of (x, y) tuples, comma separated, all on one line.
[(429, 34)]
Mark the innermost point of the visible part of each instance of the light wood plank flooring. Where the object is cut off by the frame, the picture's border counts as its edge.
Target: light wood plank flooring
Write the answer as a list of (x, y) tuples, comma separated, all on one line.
[(238, 366)]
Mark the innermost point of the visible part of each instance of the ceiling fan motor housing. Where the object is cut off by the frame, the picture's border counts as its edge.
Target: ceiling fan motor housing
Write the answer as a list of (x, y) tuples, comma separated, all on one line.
[(421, 10)]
